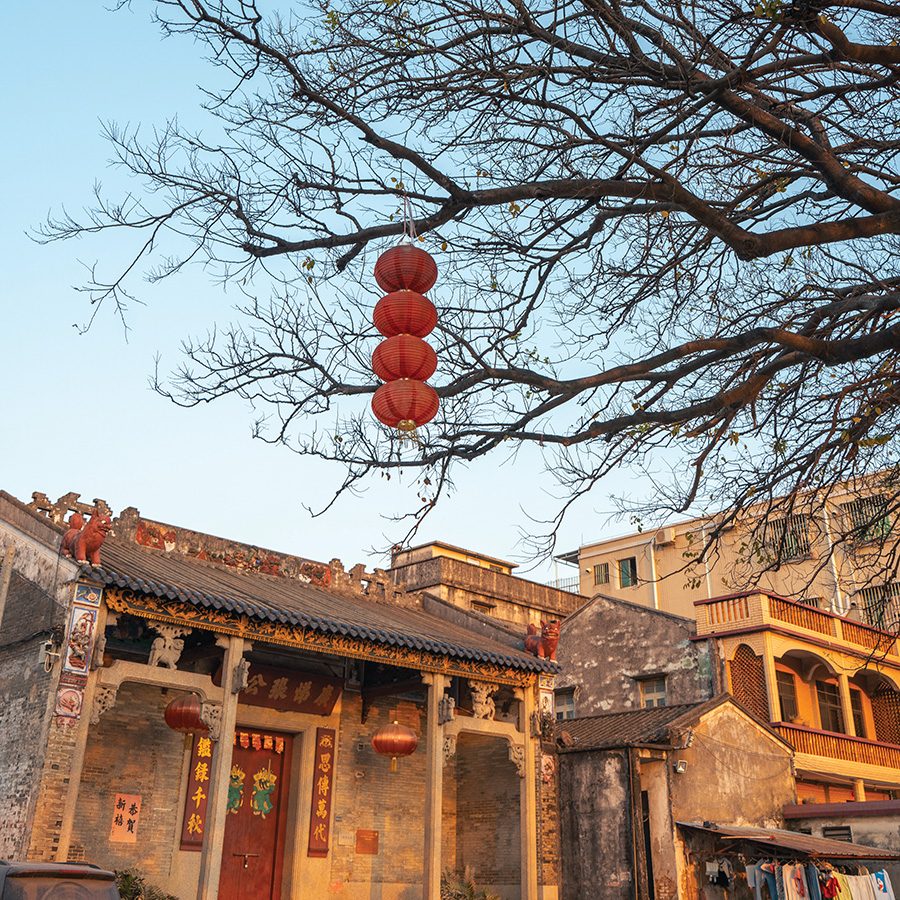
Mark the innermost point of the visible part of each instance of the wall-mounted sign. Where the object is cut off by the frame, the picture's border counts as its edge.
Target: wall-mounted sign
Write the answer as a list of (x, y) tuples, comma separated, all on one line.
[(366, 842), (126, 815), (323, 785), (288, 690), (195, 800)]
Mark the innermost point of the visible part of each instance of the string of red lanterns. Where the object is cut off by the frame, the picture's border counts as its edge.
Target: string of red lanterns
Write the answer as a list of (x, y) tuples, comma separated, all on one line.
[(404, 362)]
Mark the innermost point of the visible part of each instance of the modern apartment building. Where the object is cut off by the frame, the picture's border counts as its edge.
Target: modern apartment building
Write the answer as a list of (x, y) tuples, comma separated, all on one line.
[(828, 553)]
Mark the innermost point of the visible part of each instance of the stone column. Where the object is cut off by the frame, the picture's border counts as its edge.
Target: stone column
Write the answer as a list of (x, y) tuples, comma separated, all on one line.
[(528, 804), (216, 813), (82, 730), (434, 775), (846, 705), (859, 790), (771, 683)]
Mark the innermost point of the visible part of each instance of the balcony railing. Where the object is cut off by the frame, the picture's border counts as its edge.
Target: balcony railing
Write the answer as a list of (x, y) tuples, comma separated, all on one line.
[(839, 746), (758, 610)]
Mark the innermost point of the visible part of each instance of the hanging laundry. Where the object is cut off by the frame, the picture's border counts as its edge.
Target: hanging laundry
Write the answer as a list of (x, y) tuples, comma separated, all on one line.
[(794, 882), (881, 882)]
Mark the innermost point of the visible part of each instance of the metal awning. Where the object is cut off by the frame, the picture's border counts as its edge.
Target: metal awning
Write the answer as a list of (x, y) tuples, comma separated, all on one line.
[(795, 841)]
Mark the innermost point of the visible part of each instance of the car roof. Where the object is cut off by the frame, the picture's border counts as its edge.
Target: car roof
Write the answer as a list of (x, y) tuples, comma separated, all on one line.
[(72, 870)]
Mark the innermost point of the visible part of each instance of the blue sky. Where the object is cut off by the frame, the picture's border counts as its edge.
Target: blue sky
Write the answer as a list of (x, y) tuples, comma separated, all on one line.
[(77, 412)]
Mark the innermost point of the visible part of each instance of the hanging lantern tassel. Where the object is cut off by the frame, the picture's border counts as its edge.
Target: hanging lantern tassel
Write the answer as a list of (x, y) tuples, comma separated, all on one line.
[(395, 740), (404, 361)]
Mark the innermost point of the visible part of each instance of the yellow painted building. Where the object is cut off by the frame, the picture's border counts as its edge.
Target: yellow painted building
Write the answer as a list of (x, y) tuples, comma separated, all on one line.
[(827, 552), (829, 685)]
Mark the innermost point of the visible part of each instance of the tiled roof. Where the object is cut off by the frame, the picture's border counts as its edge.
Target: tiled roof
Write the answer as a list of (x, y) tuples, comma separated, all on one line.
[(328, 610), (804, 844), (638, 727)]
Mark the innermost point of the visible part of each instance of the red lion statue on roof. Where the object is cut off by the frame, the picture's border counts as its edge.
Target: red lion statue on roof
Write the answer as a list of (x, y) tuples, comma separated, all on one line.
[(544, 645), (82, 542)]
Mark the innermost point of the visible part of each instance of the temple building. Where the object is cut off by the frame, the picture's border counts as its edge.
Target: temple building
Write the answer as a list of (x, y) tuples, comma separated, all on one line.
[(241, 723)]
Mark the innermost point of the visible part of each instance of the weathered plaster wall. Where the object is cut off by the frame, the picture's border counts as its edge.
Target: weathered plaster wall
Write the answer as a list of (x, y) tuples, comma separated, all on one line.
[(40, 586), (595, 830), (25, 690), (872, 831), (736, 773), (609, 644)]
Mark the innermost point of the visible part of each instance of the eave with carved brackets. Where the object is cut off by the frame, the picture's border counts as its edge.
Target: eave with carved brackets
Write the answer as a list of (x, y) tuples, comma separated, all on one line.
[(187, 615)]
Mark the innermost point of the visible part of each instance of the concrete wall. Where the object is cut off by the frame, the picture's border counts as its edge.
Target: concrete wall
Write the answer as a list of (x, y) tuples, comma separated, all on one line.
[(506, 597), (595, 826), (609, 644)]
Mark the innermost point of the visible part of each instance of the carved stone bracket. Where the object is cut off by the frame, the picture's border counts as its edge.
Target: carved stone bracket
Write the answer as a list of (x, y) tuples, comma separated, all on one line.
[(482, 699), (241, 676), (449, 747), (517, 757), (211, 716), (166, 649), (104, 700), (445, 710)]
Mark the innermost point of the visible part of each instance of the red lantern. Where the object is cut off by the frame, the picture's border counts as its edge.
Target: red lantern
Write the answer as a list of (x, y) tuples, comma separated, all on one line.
[(406, 267), (405, 404), (404, 312), (183, 714), (393, 741), (404, 356)]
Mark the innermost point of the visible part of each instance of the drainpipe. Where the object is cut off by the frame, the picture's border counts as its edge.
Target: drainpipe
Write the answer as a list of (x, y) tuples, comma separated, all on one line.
[(652, 546), (839, 606), (5, 577)]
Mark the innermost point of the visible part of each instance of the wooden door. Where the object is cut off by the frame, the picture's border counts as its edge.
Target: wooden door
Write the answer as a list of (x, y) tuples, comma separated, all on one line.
[(252, 852)]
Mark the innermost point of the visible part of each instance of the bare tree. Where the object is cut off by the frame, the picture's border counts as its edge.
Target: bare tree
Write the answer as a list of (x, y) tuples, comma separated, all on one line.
[(666, 230)]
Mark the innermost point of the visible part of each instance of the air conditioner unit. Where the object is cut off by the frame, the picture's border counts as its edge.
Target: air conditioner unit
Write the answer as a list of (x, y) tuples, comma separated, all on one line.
[(665, 536)]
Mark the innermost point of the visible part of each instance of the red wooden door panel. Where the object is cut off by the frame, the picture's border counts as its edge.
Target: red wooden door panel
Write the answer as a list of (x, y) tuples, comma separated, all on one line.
[(255, 824)]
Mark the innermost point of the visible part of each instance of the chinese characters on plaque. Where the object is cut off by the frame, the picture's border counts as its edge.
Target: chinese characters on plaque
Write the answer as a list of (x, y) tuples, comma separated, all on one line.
[(197, 790), (323, 782), (126, 814), (289, 690)]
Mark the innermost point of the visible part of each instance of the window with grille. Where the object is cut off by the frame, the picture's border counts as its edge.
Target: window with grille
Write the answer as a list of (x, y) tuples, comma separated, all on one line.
[(787, 695), (565, 704), (859, 717), (867, 518), (880, 605), (830, 713), (601, 573), (653, 691), (788, 538), (628, 572)]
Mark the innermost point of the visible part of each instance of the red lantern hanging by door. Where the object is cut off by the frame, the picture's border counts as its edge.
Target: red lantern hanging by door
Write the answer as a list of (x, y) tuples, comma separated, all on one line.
[(395, 740), (404, 361), (184, 714)]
